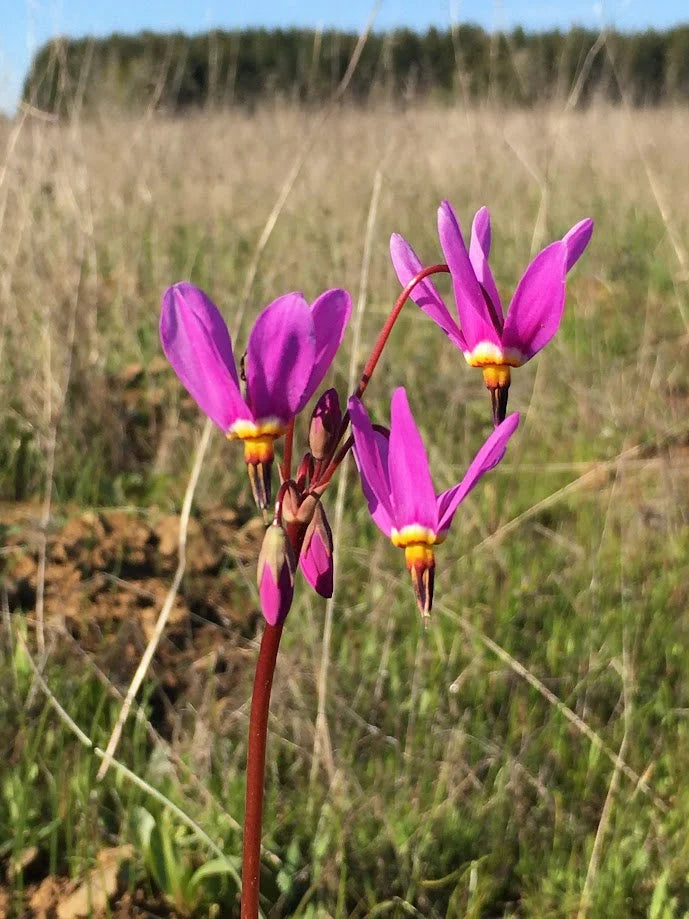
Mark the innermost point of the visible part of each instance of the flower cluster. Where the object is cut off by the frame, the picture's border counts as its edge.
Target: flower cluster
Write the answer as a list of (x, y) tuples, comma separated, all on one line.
[(488, 337), (289, 351)]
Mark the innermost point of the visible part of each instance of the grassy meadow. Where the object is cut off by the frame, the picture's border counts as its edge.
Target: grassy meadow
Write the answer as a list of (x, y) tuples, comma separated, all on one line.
[(526, 756)]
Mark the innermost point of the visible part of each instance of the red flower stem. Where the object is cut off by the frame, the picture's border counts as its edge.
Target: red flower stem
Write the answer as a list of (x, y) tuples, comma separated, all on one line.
[(287, 454), (255, 769), (256, 753), (335, 458), (389, 323)]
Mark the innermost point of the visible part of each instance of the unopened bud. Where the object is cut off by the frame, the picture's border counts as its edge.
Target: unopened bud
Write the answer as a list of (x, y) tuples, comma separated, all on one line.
[(316, 559), (275, 574), (325, 424), (420, 561)]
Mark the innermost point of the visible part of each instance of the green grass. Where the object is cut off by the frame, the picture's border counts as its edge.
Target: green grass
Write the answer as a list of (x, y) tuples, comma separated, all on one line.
[(453, 786)]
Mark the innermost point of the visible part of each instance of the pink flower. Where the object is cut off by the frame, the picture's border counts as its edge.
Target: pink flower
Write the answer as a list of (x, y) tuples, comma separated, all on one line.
[(489, 338), (398, 487), (290, 349)]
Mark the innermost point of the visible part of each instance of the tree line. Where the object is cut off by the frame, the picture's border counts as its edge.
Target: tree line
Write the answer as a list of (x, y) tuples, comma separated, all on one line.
[(218, 68)]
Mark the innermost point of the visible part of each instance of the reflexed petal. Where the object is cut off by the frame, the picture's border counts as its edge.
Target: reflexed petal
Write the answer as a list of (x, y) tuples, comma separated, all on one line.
[(330, 313), (413, 495), (474, 316), (281, 354), (407, 264), (197, 344), (316, 559), (479, 250), (370, 453), (487, 457), (577, 239), (536, 308)]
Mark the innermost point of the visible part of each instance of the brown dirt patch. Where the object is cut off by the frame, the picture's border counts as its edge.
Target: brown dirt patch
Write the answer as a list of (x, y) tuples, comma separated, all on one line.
[(107, 574), (60, 898)]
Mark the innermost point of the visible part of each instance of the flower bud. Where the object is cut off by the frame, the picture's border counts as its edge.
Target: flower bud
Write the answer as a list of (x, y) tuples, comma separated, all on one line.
[(275, 574), (259, 477), (325, 424), (316, 559)]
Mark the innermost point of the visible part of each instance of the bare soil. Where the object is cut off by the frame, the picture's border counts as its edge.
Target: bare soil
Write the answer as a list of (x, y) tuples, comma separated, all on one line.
[(107, 573)]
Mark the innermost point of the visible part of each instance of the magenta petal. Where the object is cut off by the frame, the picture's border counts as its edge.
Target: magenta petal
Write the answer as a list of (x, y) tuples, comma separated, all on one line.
[(413, 495), (487, 457), (276, 598), (577, 239), (407, 264), (536, 308), (317, 567), (479, 250), (474, 315), (280, 358), (197, 344), (370, 453), (330, 314), (316, 559)]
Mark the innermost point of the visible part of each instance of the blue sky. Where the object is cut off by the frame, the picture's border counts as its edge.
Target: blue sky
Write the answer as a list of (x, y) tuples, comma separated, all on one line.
[(26, 24)]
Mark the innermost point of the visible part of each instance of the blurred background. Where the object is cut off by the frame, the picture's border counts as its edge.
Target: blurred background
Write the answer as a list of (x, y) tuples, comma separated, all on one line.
[(524, 757)]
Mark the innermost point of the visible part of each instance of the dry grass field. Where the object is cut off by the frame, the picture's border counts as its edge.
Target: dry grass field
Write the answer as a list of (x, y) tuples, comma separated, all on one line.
[(527, 756)]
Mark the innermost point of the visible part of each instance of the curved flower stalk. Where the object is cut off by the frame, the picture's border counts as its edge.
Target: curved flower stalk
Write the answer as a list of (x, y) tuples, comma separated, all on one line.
[(398, 487), (488, 337), (290, 349)]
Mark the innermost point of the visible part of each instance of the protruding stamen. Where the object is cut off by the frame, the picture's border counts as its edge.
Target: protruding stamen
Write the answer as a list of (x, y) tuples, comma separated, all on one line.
[(497, 380), (259, 441), (260, 479), (420, 560)]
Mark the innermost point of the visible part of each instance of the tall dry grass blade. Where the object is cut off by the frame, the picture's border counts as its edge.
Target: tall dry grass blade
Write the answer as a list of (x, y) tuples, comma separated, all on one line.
[(83, 738), (321, 743), (166, 609), (587, 478), (606, 813), (656, 190), (53, 415), (298, 164), (577, 88), (616, 759)]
